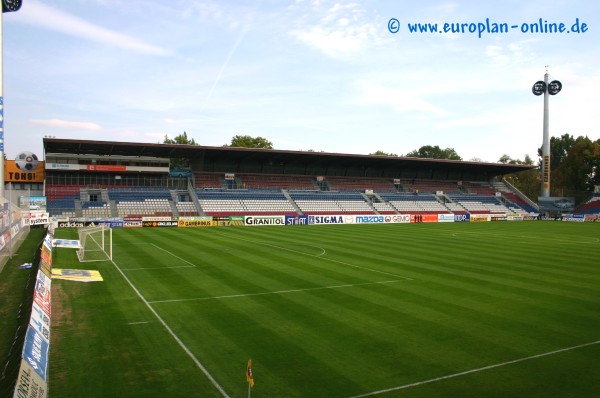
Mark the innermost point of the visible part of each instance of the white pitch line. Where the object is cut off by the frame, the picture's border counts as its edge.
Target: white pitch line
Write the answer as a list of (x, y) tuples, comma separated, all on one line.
[(474, 370), (138, 323), (275, 292), (172, 333), (319, 256), (140, 269), (174, 255)]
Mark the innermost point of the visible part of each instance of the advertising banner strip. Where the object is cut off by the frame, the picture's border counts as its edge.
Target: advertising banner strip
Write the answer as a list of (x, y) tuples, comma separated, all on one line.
[(419, 218), (67, 243), (43, 285), (264, 220), (41, 323), (155, 224), (194, 223), (77, 275), (35, 352), (198, 218), (42, 302), (29, 383), (445, 217)]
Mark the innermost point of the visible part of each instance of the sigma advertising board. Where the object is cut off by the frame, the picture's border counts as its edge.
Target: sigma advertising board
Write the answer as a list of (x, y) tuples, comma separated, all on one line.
[(330, 219)]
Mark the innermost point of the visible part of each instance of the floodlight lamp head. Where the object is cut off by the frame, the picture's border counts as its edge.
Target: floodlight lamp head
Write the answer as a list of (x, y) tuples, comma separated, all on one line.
[(11, 5), (538, 88), (554, 87)]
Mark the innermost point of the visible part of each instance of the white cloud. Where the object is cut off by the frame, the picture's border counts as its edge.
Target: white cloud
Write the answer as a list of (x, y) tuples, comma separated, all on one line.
[(341, 30), (43, 16), (402, 100), (58, 123)]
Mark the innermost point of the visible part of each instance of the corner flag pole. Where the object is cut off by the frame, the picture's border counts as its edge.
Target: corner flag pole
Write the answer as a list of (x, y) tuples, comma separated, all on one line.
[(249, 376)]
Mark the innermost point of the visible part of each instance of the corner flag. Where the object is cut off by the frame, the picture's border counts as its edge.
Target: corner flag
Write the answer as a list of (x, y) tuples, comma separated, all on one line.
[(249, 376)]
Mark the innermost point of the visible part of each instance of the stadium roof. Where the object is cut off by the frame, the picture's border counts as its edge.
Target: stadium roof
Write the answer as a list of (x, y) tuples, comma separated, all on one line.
[(242, 155)]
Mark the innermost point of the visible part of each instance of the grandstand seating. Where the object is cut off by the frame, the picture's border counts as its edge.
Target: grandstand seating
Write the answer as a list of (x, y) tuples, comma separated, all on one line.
[(146, 207), (479, 188), (261, 181), (61, 199), (384, 208), (518, 203), (331, 203), (142, 201), (479, 204), (302, 196), (186, 209), (592, 206), (242, 202), (416, 204), (431, 186), (95, 209), (360, 184), (208, 180)]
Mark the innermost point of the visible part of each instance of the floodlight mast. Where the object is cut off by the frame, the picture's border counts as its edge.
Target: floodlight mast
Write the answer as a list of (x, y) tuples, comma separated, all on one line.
[(552, 88), (546, 144), (7, 6), (1, 109)]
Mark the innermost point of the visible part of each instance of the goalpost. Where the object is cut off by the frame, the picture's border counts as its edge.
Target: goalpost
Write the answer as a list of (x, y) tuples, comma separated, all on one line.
[(95, 244)]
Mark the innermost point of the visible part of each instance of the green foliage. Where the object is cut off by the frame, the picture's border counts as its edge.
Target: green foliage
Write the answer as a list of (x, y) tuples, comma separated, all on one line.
[(181, 139), (434, 152), (574, 165), (381, 153), (246, 141), (527, 181)]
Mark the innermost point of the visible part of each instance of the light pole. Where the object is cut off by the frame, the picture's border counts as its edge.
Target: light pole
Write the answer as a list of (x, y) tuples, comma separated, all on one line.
[(7, 6), (552, 88)]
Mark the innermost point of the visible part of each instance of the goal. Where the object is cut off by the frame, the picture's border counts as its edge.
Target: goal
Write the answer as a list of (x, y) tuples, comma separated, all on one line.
[(95, 244)]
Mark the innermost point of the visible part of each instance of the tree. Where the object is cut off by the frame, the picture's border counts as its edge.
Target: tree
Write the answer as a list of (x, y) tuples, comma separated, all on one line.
[(180, 139), (559, 149), (381, 153), (526, 181), (183, 140), (579, 170), (246, 141), (434, 152)]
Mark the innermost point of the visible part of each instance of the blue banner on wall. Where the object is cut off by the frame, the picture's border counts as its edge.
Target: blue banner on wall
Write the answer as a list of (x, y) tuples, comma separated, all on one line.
[(462, 217), (35, 352), (296, 220)]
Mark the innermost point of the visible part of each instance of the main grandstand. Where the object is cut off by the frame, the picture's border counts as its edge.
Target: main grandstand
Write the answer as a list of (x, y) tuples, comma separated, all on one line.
[(99, 180)]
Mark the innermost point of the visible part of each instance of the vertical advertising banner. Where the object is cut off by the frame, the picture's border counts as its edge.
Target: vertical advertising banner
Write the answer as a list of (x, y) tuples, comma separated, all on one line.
[(29, 383), (35, 352), (41, 295)]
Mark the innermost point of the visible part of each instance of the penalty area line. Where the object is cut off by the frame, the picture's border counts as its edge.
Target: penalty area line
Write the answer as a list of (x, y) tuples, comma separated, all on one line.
[(419, 383), (275, 292), (172, 333)]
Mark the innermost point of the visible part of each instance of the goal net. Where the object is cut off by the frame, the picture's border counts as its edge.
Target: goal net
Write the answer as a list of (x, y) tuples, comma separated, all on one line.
[(95, 244)]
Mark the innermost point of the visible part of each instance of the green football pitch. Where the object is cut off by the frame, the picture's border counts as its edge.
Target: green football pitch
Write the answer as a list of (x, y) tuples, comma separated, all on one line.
[(506, 309)]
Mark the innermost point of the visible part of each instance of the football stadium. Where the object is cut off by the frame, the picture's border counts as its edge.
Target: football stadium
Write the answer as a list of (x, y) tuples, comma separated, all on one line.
[(170, 270)]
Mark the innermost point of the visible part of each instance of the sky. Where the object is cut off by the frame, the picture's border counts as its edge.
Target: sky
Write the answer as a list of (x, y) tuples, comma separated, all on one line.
[(306, 75)]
